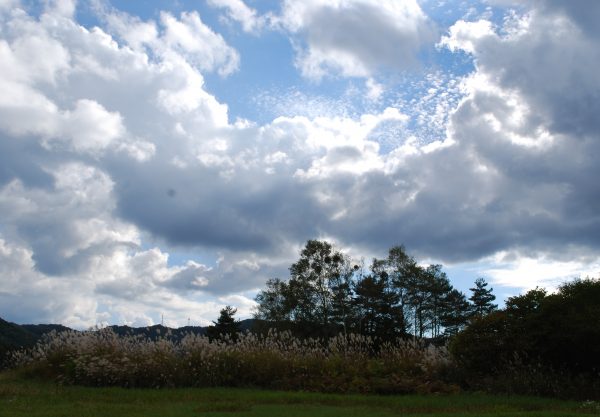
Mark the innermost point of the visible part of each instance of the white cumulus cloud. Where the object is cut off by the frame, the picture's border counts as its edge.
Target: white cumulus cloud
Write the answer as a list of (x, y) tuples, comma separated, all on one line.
[(238, 11), (355, 37)]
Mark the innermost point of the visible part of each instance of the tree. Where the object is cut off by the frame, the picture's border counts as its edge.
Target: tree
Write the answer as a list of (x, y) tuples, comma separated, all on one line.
[(390, 318), (521, 306), (376, 303), (482, 298), (311, 281), (368, 302), (438, 287), (272, 303), (342, 309), (226, 327), (316, 300), (418, 294), (559, 331), (326, 294), (455, 312), (401, 269), (565, 328), (481, 348)]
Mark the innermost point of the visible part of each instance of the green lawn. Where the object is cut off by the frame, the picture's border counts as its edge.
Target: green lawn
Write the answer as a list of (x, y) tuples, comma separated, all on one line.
[(19, 397)]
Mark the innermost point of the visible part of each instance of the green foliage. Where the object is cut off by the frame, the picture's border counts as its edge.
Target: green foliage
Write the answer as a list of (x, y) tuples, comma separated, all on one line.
[(575, 310), (273, 303), (325, 295), (481, 347), (521, 306), (316, 299), (313, 277), (552, 338), (377, 309), (455, 312), (368, 295)]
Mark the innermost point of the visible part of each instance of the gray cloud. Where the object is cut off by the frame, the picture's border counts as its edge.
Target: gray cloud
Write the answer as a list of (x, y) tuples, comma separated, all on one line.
[(110, 146), (22, 159), (583, 13)]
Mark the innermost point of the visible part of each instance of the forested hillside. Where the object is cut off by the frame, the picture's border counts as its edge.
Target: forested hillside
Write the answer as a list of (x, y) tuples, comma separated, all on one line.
[(14, 336)]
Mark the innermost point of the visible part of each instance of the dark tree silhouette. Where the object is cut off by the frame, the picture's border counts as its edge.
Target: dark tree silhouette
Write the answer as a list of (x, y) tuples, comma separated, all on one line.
[(455, 312), (438, 287), (226, 327), (558, 331), (368, 304), (326, 294), (318, 270), (482, 298), (317, 297), (272, 302)]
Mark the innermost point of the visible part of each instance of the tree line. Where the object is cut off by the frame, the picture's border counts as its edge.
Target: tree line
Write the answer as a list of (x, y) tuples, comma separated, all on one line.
[(540, 343), (327, 294)]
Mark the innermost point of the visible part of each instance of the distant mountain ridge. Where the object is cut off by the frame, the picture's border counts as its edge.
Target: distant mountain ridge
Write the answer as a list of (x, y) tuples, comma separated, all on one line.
[(158, 330), (15, 336)]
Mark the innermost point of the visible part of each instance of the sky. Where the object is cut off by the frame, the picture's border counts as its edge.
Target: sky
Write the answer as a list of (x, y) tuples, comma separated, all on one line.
[(162, 159)]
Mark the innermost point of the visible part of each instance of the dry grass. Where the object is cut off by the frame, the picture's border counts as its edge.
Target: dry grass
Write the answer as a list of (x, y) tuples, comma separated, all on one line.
[(277, 360)]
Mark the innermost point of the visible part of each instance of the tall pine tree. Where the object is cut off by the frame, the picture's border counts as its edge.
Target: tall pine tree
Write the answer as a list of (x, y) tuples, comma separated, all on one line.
[(482, 298), (226, 327)]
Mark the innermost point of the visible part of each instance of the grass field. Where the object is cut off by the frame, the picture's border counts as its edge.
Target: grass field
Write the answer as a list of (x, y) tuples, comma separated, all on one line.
[(21, 397)]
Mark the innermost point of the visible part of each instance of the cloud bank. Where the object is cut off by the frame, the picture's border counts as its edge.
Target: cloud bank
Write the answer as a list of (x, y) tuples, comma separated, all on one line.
[(113, 153)]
